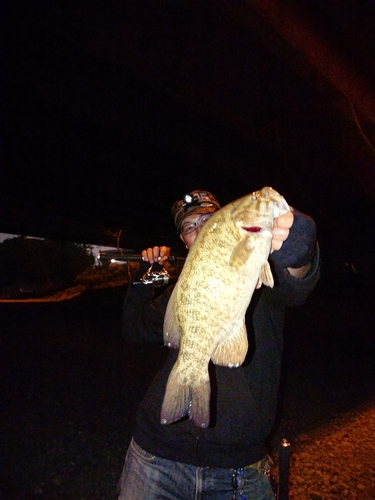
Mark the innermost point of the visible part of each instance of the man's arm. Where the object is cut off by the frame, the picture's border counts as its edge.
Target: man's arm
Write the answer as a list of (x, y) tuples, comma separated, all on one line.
[(294, 243), (142, 313), (295, 258)]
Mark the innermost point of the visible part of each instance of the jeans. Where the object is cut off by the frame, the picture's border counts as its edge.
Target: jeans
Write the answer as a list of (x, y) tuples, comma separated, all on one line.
[(146, 477)]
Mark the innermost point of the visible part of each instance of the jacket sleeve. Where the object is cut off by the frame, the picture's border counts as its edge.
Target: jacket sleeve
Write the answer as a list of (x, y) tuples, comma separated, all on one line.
[(300, 248), (294, 291), (143, 313)]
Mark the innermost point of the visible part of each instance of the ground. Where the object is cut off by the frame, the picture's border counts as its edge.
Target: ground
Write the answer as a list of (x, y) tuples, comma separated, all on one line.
[(70, 388)]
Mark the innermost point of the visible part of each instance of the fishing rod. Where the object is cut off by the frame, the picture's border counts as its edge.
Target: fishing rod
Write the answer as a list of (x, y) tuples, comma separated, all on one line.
[(115, 257), (151, 276)]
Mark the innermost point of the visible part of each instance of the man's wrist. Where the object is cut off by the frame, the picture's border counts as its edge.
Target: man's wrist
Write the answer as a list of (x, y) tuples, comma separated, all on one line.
[(300, 272)]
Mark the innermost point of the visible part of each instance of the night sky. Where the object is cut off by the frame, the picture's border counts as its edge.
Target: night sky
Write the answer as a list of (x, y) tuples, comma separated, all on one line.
[(113, 110)]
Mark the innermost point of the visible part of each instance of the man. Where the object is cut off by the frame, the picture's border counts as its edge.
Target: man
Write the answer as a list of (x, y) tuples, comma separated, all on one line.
[(226, 460)]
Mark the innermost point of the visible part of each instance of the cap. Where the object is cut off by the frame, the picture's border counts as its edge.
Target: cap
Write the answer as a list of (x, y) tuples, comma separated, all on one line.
[(196, 202)]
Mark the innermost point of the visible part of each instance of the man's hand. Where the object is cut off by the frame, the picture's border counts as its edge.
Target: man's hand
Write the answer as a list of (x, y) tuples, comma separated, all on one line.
[(156, 254), (280, 231)]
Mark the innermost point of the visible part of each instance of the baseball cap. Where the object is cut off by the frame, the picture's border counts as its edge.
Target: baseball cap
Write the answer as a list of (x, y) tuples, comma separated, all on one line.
[(196, 202)]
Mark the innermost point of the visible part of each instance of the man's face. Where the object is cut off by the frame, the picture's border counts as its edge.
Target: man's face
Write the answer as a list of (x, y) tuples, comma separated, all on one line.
[(196, 221)]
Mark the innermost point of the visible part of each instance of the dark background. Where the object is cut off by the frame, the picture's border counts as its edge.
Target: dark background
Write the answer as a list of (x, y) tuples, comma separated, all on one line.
[(70, 387), (113, 110)]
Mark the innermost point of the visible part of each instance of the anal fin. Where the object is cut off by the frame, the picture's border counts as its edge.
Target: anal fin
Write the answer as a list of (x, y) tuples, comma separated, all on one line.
[(232, 351)]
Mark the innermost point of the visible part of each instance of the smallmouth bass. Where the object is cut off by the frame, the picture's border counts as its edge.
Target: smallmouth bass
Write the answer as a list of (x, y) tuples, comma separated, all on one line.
[(205, 316)]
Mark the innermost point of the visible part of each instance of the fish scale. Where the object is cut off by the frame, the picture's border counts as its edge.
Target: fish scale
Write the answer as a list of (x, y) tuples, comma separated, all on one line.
[(205, 316)]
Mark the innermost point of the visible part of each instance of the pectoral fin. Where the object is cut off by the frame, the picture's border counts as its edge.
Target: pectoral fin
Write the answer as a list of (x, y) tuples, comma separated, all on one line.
[(240, 254), (266, 275), (232, 351)]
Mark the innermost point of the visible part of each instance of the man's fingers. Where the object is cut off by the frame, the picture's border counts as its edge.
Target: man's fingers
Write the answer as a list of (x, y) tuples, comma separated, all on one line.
[(285, 220), (276, 244), (164, 251), (280, 233), (280, 230), (156, 254), (163, 254)]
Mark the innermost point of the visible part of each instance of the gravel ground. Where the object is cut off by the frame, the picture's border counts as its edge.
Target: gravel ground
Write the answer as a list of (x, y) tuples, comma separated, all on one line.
[(336, 460), (70, 389)]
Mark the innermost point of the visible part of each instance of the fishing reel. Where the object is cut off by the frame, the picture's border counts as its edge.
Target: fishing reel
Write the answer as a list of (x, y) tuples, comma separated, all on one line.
[(156, 278)]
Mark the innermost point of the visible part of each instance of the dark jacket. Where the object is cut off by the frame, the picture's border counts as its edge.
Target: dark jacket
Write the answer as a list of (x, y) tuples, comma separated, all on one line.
[(243, 400)]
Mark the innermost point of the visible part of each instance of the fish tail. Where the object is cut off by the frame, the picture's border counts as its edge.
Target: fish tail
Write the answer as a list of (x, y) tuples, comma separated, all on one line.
[(199, 410), (176, 399), (181, 400)]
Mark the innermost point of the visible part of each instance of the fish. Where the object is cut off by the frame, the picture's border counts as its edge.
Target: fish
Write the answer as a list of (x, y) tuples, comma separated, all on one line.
[(205, 315)]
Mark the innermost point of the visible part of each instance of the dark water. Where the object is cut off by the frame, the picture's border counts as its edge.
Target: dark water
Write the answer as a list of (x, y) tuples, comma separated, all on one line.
[(70, 387)]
